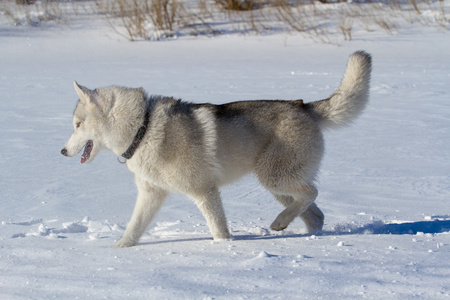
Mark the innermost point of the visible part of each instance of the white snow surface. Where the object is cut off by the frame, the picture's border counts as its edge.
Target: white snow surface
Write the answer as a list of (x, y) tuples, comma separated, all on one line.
[(383, 186)]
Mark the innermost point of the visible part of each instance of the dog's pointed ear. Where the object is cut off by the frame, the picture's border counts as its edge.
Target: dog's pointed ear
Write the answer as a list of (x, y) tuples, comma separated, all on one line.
[(85, 94)]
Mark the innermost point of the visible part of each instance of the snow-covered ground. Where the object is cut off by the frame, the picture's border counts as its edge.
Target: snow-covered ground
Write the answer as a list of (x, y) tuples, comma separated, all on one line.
[(384, 182)]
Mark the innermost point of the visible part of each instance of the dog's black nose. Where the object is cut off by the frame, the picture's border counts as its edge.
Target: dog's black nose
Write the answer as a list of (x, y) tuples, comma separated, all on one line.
[(64, 151)]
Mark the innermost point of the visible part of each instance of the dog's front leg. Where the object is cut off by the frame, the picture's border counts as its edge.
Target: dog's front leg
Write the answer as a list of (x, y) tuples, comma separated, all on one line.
[(210, 204), (148, 203)]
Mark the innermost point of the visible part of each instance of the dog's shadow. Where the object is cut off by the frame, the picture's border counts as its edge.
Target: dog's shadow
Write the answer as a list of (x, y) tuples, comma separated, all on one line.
[(433, 227), (377, 227)]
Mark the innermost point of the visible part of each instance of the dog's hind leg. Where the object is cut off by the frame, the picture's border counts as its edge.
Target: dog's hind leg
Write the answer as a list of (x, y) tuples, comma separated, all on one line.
[(312, 217), (300, 203), (210, 204), (288, 166), (148, 203)]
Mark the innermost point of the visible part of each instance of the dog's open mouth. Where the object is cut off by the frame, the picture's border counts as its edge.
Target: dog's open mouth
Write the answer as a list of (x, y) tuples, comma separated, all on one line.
[(87, 151)]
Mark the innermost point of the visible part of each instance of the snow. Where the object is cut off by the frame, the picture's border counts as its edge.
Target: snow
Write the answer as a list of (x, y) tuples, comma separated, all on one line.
[(384, 182)]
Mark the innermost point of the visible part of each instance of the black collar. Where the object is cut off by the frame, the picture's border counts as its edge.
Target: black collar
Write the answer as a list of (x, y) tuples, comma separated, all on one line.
[(138, 137)]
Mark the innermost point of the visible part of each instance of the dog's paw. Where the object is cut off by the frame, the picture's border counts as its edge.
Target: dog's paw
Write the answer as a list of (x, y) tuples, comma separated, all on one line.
[(228, 239), (222, 236), (278, 226), (313, 218), (123, 243), (284, 218), (314, 226)]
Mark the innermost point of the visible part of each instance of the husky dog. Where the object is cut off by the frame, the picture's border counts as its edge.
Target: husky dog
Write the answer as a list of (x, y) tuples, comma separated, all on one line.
[(174, 146)]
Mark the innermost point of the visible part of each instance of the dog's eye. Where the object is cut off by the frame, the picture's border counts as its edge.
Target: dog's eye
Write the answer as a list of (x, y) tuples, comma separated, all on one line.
[(77, 124)]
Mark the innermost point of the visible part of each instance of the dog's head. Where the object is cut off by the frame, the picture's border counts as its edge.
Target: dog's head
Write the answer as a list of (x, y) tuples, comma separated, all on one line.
[(107, 117), (87, 124)]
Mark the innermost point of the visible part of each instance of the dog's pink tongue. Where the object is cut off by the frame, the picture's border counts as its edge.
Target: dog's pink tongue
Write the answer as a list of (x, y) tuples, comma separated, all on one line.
[(87, 151)]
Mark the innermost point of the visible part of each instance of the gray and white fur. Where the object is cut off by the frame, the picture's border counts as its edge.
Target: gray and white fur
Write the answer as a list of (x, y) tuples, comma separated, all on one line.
[(194, 149)]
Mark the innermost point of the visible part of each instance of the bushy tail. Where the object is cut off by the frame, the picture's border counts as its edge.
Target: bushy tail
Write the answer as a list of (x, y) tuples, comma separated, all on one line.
[(351, 97)]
